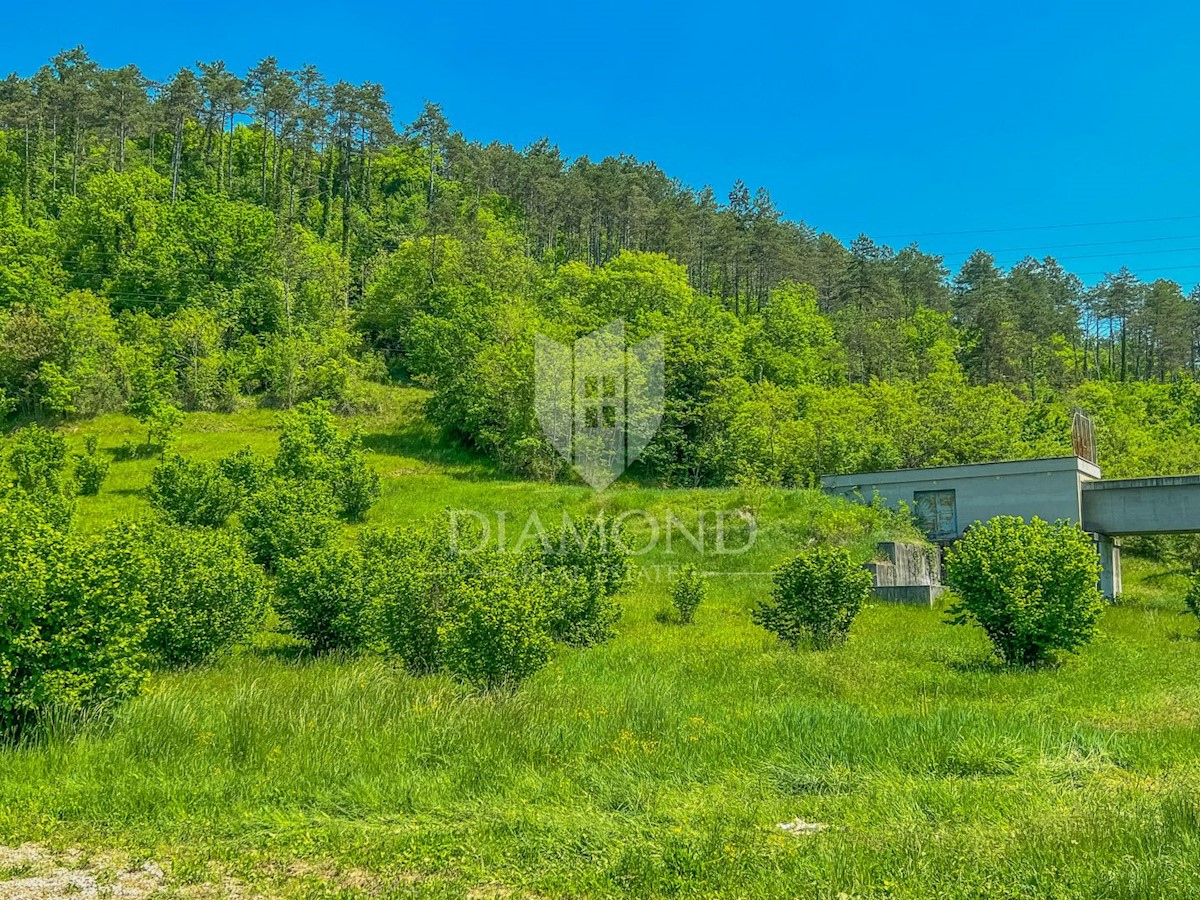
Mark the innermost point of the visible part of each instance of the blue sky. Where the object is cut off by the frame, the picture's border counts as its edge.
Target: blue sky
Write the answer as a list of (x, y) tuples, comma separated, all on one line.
[(961, 123)]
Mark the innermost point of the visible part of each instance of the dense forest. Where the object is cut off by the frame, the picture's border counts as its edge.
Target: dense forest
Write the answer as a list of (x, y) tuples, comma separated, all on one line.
[(270, 237)]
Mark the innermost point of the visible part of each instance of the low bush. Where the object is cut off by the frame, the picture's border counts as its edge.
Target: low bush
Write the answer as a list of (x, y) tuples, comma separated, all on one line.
[(38, 458), (488, 618), (321, 598), (90, 469), (74, 617), (815, 598), (285, 519), (204, 594), (312, 447), (595, 561), (410, 574), (355, 485), (246, 470), (192, 492), (497, 626), (1032, 587), (688, 592)]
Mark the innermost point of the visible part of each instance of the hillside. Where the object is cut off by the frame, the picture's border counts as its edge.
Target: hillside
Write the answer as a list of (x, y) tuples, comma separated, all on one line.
[(661, 763), (268, 235), (298, 598)]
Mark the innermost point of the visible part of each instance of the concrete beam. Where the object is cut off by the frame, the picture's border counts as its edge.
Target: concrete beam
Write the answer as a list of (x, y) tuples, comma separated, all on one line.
[(1169, 505)]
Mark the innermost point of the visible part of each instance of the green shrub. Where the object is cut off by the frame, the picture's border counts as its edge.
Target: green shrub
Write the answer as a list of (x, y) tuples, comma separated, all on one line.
[(203, 592), (815, 598), (312, 447), (246, 470), (1192, 598), (355, 485), (595, 560), (486, 617), (688, 592), (322, 599), (162, 421), (497, 626), (1031, 587), (285, 519), (74, 617), (192, 492), (90, 469), (38, 457), (410, 574)]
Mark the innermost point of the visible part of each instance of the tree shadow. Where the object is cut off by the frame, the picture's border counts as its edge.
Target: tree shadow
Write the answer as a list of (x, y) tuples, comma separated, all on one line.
[(990, 664), (281, 652), (426, 443)]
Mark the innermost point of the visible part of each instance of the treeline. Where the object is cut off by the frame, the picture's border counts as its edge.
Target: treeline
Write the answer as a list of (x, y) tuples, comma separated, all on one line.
[(269, 234)]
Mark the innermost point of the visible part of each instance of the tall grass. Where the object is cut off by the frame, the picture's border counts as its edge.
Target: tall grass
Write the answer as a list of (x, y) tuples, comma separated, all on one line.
[(659, 764)]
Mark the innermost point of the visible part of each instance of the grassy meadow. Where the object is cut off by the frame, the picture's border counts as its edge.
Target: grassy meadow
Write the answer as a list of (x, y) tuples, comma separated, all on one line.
[(659, 764)]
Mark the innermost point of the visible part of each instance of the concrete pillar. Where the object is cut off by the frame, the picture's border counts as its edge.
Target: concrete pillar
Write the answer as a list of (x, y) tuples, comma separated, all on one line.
[(1109, 549)]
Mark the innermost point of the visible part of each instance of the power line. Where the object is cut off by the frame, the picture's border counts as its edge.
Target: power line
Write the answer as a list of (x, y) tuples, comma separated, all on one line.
[(1040, 227), (1131, 253), (1152, 240)]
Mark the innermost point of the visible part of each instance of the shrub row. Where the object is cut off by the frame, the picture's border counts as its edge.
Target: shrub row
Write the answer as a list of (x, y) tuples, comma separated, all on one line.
[(487, 617), (318, 470), (85, 620)]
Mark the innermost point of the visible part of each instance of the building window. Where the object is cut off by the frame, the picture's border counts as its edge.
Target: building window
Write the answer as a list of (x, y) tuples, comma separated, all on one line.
[(937, 512)]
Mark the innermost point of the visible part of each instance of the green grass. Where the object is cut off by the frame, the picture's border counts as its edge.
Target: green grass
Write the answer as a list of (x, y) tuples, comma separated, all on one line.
[(659, 764)]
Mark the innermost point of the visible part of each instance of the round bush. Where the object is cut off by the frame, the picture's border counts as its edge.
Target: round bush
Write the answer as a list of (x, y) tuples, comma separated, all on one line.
[(1033, 588), (355, 485), (246, 471), (321, 598), (38, 457), (90, 470), (410, 573), (594, 561), (192, 492), (815, 598), (74, 616), (204, 593), (688, 592), (497, 627), (486, 617), (285, 519), (312, 447)]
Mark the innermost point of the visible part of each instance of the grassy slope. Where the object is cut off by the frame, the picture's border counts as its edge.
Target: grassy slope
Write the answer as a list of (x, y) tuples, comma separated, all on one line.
[(658, 764)]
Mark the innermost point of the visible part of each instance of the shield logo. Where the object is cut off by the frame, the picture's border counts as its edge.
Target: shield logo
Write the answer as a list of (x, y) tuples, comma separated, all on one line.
[(599, 402)]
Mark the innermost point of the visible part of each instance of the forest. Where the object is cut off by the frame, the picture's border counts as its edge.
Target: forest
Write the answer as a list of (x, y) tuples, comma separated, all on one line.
[(222, 238), (262, 342)]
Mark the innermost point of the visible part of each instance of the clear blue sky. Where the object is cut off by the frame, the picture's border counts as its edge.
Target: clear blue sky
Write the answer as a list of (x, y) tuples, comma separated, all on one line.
[(859, 117)]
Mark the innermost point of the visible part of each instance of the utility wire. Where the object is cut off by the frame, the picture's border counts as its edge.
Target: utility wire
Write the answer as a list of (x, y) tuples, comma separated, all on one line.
[(1040, 227)]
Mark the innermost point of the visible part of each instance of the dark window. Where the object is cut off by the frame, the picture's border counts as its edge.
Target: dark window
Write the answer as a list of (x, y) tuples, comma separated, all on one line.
[(937, 513)]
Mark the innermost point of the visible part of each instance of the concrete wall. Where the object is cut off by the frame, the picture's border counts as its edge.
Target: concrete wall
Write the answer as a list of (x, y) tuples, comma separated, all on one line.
[(1047, 488), (1143, 505), (906, 573)]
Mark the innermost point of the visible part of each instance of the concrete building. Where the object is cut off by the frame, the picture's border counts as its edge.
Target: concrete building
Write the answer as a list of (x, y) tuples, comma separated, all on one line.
[(948, 499)]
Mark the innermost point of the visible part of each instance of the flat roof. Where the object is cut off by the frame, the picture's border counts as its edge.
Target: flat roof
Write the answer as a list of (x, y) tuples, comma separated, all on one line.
[(1152, 482), (968, 470)]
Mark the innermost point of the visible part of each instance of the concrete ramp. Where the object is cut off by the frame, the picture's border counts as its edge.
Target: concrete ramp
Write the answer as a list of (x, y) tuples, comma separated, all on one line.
[(1123, 506)]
